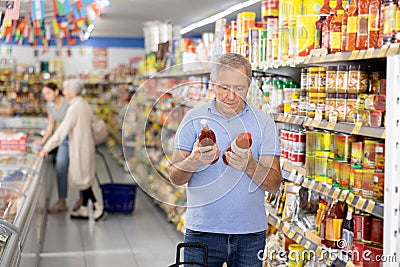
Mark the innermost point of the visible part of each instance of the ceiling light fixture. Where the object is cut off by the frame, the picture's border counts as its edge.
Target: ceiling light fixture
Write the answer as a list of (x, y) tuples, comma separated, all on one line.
[(217, 16)]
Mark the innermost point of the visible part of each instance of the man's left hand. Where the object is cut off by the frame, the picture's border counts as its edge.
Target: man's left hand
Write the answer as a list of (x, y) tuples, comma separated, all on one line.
[(238, 160)]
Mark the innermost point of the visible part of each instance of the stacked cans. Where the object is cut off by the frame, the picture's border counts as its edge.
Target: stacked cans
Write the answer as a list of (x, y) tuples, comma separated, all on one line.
[(293, 143)]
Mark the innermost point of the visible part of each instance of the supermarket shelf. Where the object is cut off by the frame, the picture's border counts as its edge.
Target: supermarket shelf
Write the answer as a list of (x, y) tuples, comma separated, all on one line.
[(297, 175), (320, 56), (174, 74), (305, 238), (366, 205), (343, 127)]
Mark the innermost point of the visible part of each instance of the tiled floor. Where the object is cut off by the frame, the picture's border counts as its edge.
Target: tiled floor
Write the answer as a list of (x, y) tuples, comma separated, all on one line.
[(142, 239)]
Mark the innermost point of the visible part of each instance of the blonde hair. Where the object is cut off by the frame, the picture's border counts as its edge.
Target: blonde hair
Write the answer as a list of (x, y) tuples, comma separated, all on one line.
[(74, 86)]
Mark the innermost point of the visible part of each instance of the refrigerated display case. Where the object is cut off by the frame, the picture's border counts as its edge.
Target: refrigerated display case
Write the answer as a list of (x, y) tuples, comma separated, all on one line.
[(24, 193)]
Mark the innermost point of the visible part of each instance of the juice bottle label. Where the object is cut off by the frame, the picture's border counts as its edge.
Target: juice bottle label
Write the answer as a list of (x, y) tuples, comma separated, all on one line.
[(333, 231), (352, 24), (336, 40)]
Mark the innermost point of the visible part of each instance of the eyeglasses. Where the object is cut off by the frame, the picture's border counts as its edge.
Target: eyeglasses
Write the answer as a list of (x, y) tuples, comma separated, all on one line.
[(235, 88)]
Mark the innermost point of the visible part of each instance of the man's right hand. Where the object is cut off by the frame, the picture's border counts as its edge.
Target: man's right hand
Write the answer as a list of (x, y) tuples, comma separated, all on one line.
[(203, 155)]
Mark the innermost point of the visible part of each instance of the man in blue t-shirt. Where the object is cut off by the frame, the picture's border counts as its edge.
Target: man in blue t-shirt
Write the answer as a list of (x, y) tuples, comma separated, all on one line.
[(225, 203)]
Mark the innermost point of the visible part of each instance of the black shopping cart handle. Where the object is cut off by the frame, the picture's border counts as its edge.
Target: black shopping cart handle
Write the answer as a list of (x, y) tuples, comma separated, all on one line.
[(190, 245)]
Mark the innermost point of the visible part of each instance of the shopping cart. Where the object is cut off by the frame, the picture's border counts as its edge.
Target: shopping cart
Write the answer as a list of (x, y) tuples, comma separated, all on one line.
[(190, 245), (117, 197)]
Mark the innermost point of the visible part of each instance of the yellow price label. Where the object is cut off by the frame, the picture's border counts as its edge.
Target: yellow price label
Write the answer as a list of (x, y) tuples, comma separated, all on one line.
[(356, 128), (318, 251), (319, 188), (335, 193), (370, 206), (297, 239), (326, 190), (291, 234), (280, 117), (308, 122), (288, 118), (296, 120), (370, 53), (292, 175), (354, 54), (383, 50), (360, 203), (350, 198), (318, 115), (342, 196), (332, 120), (350, 264), (361, 55), (308, 59), (285, 228), (383, 136), (315, 123), (307, 244), (393, 50), (338, 56)]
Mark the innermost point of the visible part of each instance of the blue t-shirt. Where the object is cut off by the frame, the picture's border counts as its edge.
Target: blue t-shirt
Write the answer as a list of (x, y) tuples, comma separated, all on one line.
[(221, 199)]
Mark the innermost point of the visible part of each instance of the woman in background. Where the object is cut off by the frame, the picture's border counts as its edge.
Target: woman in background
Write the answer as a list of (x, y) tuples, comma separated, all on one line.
[(77, 125), (57, 106)]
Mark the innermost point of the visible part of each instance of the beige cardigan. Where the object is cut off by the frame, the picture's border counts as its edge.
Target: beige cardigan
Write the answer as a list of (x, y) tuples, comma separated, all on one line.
[(77, 124)]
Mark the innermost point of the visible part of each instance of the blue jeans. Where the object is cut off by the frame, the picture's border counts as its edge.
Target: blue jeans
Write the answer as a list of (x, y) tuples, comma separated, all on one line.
[(237, 250), (62, 161)]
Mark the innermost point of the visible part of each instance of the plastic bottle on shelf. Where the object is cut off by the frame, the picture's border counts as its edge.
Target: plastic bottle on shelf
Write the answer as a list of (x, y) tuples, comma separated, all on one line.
[(352, 26), (335, 39), (363, 24), (323, 14), (344, 28), (389, 18), (326, 32), (373, 23), (207, 136), (242, 143)]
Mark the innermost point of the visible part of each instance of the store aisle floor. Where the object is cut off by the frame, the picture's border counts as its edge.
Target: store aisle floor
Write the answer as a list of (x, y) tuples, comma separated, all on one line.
[(142, 239)]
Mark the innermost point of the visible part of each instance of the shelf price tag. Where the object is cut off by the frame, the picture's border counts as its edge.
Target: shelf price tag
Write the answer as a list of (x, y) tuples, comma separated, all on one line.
[(370, 206), (326, 190), (350, 198), (360, 203), (318, 118), (361, 54), (296, 120), (354, 54), (318, 251), (319, 188), (308, 122), (370, 53), (298, 239), (322, 58), (393, 49), (357, 128), (307, 244), (383, 136), (285, 228), (291, 234), (280, 117), (342, 196), (335, 194), (349, 264), (292, 175), (338, 56), (383, 50), (307, 60), (332, 120), (288, 118)]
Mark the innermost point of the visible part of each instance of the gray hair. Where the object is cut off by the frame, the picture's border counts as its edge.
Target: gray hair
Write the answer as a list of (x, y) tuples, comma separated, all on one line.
[(231, 61), (74, 86)]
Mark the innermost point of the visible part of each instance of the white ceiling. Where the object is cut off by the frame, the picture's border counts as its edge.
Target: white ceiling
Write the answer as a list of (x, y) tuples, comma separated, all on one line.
[(125, 18)]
